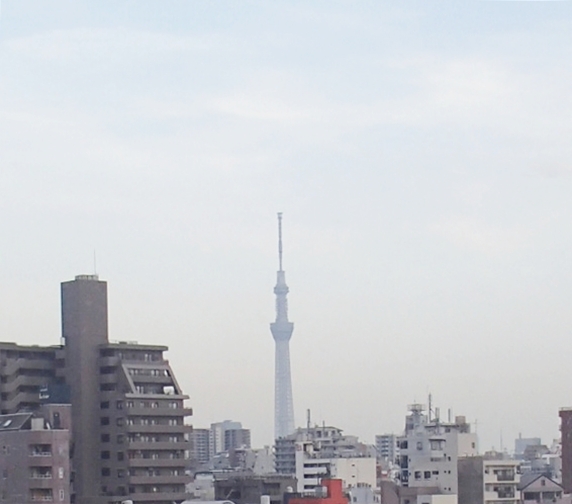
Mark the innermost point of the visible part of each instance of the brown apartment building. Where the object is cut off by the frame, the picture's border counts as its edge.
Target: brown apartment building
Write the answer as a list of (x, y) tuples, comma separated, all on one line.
[(34, 458), (127, 409)]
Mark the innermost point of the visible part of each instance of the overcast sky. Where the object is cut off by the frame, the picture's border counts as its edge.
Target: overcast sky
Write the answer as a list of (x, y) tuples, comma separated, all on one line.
[(420, 152)]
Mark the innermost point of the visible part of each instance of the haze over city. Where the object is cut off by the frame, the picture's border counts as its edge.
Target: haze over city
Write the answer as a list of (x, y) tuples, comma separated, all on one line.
[(420, 155)]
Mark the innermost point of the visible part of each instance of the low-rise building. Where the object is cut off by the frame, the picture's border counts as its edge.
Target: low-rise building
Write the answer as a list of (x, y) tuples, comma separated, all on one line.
[(331, 492), (539, 489), (488, 479)]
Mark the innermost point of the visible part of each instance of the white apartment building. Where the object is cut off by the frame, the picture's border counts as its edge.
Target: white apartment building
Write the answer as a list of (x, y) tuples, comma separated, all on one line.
[(314, 452), (353, 471), (429, 450)]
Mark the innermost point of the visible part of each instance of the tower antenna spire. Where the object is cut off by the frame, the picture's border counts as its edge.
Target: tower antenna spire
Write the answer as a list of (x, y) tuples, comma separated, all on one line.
[(280, 240)]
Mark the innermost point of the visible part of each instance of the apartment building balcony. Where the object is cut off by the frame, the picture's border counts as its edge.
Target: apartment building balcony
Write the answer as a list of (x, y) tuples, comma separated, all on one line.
[(159, 497), (159, 429), (43, 495), (152, 380), (40, 483), (159, 445), (164, 412), (24, 381), (159, 480), (108, 378), (174, 463), (14, 366), (109, 361)]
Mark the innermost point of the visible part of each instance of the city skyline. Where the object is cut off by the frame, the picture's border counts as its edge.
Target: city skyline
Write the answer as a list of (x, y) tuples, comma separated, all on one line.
[(420, 153)]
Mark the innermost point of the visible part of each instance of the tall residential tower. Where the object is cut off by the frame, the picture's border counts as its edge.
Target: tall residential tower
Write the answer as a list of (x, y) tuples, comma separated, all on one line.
[(282, 332)]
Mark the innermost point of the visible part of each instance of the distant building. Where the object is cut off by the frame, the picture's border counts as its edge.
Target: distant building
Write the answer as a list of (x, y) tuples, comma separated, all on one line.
[(226, 436), (488, 479), (34, 461), (199, 449), (430, 448), (235, 439), (520, 445), (387, 447)]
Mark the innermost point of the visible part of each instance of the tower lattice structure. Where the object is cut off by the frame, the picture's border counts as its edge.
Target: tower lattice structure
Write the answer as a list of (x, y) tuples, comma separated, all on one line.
[(282, 332)]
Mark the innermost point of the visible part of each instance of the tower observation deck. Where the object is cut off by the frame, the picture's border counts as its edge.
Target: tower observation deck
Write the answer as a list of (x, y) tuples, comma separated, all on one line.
[(282, 332)]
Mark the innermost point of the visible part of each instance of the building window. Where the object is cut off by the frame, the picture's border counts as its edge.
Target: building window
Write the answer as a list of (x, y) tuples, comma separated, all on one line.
[(417, 475), (104, 405), (427, 474), (419, 445), (105, 438), (105, 455), (120, 422), (119, 438), (61, 472), (105, 471), (62, 495), (105, 420), (120, 473), (120, 455), (119, 404)]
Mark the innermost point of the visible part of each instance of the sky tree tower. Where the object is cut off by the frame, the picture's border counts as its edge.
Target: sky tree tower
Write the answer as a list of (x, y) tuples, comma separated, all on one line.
[(282, 332)]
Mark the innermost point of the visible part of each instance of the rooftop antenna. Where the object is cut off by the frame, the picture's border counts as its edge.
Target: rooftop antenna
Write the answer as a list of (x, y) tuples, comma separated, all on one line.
[(308, 419), (429, 409), (280, 240)]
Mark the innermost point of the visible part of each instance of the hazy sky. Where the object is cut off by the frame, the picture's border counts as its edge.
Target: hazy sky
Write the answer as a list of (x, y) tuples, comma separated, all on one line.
[(420, 152)]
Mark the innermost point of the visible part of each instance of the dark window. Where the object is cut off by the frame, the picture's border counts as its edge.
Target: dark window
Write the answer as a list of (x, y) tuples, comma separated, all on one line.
[(119, 405), (120, 421), (105, 438), (105, 471), (119, 438), (120, 455), (417, 475), (427, 474), (104, 420), (104, 405), (104, 455)]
